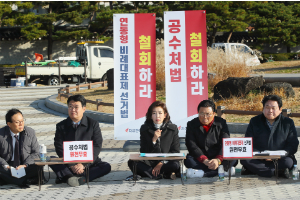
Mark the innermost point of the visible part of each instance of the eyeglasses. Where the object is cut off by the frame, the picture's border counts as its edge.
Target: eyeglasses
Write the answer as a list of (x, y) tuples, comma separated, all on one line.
[(205, 115), (19, 122), (71, 107)]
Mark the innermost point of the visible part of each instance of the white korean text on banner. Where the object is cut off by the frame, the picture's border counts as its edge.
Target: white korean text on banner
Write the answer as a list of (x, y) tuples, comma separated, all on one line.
[(134, 72), (185, 65), (78, 151), (237, 147)]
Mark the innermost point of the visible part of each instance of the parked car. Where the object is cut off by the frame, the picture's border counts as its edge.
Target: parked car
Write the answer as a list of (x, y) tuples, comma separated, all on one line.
[(240, 51)]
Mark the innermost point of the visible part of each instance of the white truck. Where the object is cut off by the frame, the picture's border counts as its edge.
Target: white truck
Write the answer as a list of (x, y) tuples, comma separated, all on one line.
[(234, 49), (98, 58)]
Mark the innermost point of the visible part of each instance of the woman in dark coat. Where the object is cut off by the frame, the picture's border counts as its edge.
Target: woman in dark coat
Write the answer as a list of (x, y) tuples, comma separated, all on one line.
[(204, 136), (158, 135)]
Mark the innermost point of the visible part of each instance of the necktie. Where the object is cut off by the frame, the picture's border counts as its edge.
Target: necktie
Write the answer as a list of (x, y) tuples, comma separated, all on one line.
[(75, 126), (16, 153)]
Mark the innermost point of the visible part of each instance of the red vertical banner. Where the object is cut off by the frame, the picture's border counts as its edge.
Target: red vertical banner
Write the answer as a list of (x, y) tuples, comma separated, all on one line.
[(145, 62), (196, 59)]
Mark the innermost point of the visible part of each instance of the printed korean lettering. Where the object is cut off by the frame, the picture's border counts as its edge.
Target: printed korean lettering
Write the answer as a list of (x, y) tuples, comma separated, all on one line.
[(72, 154), (80, 153), (85, 147), (145, 42), (124, 30), (145, 74), (227, 143), (175, 26), (175, 74), (197, 88), (124, 96), (175, 41), (196, 39), (124, 105), (248, 142), (124, 59), (124, 85), (145, 58), (146, 91), (124, 67), (76, 154), (176, 58), (84, 154), (75, 147), (124, 76), (71, 147), (123, 49), (197, 72), (124, 113), (196, 55)]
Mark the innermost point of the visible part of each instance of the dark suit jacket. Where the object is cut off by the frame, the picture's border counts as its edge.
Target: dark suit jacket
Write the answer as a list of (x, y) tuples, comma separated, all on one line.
[(88, 129), (282, 137), (168, 143), (199, 143), (29, 147)]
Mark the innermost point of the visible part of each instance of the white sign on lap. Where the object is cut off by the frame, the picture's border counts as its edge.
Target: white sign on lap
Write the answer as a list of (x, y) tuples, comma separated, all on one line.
[(237, 147), (78, 151)]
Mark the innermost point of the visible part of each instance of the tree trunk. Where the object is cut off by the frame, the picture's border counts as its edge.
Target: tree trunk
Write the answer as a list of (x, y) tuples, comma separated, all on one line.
[(213, 35), (288, 49), (230, 34), (50, 40), (111, 5)]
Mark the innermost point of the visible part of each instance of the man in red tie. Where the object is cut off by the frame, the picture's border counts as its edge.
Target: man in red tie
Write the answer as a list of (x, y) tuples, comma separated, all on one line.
[(18, 149)]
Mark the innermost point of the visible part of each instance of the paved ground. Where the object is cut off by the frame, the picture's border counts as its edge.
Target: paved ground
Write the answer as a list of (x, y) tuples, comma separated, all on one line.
[(113, 186)]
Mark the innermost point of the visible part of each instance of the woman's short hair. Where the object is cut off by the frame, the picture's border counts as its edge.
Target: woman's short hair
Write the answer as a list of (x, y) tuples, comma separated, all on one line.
[(154, 105), (272, 98), (207, 103)]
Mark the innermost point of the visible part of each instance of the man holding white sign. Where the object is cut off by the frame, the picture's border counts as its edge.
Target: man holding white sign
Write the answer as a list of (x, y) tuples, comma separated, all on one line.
[(78, 127), (271, 131)]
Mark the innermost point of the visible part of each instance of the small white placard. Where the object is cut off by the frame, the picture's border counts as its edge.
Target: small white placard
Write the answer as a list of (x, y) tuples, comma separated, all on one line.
[(237, 147), (78, 151), (18, 173)]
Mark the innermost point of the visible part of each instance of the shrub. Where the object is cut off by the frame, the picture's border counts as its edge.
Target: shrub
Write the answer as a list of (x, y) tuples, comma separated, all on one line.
[(225, 65), (160, 65)]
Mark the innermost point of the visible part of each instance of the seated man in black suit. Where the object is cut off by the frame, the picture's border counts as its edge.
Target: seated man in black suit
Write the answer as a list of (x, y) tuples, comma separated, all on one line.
[(271, 131), (18, 148), (78, 127)]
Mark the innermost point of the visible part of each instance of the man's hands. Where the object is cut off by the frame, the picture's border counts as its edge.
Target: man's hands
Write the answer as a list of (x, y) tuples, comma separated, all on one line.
[(20, 166), (77, 169), (212, 164), (156, 170), (157, 134)]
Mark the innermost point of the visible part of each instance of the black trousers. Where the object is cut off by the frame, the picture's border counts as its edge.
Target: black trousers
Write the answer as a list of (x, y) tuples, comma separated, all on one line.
[(145, 170), (191, 162), (266, 168), (96, 170), (6, 177)]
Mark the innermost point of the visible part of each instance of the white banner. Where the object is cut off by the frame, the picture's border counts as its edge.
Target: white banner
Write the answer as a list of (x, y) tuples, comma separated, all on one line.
[(237, 147), (185, 65), (78, 151), (134, 72)]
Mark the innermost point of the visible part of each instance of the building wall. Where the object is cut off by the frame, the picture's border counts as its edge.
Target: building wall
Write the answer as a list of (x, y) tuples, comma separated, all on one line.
[(18, 51)]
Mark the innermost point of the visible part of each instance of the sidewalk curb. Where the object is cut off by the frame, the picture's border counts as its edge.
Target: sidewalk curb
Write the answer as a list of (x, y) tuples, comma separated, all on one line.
[(55, 105)]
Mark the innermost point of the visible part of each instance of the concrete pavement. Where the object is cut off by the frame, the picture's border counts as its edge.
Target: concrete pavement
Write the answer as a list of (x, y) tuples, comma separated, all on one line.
[(112, 186)]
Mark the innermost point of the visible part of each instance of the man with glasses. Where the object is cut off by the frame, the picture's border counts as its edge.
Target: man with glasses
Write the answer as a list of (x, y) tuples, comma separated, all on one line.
[(78, 127), (18, 149), (271, 131), (204, 136)]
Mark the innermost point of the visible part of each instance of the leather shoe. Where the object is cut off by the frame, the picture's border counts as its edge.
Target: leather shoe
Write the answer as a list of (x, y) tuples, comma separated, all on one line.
[(245, 171), (58, 181)]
